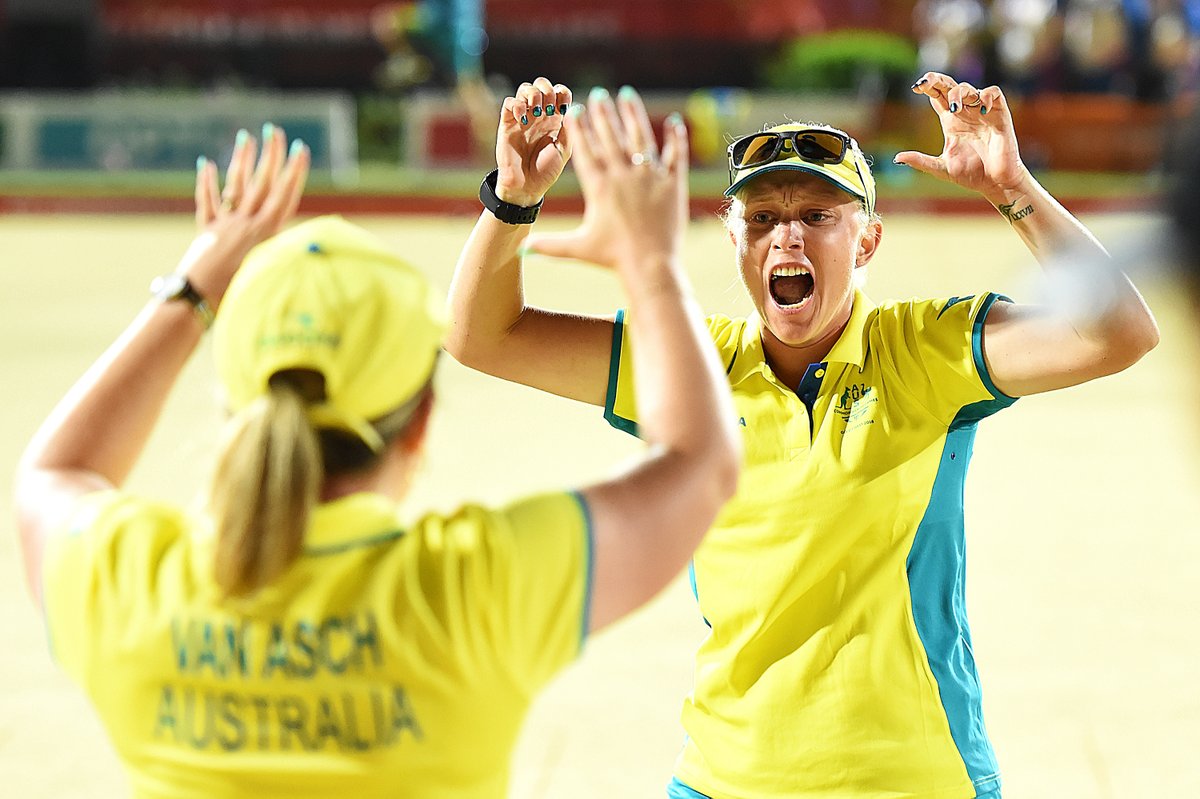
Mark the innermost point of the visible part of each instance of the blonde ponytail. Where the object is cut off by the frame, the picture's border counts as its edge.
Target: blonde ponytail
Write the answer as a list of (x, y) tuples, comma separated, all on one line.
[(267, 482)]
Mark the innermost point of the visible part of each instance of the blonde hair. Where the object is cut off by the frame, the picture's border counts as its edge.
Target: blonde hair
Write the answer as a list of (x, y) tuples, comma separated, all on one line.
[(269, 473)]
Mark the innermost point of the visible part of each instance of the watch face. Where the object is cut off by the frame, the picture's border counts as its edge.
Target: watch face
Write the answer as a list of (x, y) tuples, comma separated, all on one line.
[(168, 287)]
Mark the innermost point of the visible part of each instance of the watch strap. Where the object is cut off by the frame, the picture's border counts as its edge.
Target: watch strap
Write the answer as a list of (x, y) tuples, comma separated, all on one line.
[(506, 212), (185, 291), (200, 305)]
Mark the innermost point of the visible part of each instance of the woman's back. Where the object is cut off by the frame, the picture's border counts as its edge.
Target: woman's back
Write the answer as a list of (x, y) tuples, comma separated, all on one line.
[(385, 657)]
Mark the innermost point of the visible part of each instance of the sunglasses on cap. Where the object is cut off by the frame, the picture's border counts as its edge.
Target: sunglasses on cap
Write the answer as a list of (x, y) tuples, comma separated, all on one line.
[(815, 145)]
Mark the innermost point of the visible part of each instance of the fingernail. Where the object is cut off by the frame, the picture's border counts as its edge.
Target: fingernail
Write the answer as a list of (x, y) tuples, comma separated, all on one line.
[(674, 119), (268, 131), (297, 148), (550, 110), (524, 119), (537, 110), (201, 162), (562, 109), (575, 111), (627, 93), (598, 93), (983, 109), (242, 135), (524, 250), (953, 108), (896, 159)]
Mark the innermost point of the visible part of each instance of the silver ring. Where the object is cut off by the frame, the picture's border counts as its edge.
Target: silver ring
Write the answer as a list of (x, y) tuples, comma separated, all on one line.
[(978, 102), (640, 159)]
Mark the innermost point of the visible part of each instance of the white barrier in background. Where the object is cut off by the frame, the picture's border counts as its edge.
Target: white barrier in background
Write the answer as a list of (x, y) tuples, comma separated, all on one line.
[(153, 130)]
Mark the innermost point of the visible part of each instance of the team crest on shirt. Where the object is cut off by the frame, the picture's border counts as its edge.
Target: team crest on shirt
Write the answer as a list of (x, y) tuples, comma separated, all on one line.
[(855, 406)]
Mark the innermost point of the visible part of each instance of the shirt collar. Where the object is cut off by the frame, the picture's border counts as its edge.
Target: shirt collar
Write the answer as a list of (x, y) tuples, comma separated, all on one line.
[(351, 518), (850, 348)]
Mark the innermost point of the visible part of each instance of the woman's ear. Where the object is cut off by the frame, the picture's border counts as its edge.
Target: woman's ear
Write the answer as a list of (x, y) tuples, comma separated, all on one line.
[(868, 242)]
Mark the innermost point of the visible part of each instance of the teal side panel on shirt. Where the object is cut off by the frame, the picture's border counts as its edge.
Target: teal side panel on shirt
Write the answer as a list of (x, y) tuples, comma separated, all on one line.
[(937, 580), (614, 373)]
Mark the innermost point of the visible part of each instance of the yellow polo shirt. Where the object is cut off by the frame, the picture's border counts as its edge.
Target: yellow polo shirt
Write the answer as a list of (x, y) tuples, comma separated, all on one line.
[(839, 662), (388, 661)]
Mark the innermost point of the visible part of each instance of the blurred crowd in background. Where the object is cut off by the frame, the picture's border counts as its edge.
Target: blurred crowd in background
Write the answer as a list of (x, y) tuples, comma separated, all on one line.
[(1140, 48), (1136, 60)]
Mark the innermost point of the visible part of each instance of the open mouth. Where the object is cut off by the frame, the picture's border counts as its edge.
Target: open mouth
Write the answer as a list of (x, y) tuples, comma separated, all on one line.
[(791, 286)]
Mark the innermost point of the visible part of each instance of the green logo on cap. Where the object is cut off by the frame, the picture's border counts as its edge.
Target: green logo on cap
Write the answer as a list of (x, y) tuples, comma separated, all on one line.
[(307, 336)]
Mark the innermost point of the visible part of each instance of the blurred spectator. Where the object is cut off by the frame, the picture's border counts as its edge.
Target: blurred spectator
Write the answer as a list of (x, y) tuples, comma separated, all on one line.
[(439, 43), (951, 36), (1095, 46), (1028, 44)]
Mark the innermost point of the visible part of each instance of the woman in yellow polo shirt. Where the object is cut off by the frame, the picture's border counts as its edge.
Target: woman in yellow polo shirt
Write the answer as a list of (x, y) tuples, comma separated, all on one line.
[(839, 662), (296, 638)]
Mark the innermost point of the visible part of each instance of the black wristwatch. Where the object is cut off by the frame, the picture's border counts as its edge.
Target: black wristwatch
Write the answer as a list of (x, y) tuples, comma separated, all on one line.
[(506, 212), (177, 287)]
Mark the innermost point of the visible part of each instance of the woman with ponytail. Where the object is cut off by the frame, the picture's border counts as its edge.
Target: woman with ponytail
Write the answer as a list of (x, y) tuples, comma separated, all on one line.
[(296, 638)]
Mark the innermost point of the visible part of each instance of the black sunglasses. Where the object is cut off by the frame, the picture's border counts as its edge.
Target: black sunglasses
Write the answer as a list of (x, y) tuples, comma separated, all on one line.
[(815, 145)]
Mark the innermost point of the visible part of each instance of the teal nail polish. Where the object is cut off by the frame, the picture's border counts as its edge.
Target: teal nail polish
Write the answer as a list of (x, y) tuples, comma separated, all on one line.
[(550, 110), (674, 118), (627, 93), (242, 135), (201, 162), (983, 110), (953, 108), (524, 250), (562, 109), (537, 110), (268, 132), (598, 93), (524, 119), (575, 111), (297, 148)]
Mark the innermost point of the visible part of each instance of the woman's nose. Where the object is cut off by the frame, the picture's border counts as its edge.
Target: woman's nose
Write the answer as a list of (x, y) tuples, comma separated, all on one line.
[(789, 236)]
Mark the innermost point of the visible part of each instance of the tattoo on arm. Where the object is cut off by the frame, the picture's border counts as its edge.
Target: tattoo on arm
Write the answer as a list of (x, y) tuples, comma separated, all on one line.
[(1012, 216)]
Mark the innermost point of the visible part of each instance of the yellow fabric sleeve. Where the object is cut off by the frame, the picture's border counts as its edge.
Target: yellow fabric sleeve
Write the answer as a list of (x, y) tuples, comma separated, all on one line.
[(935, 347), (539, 586), (95, 571)]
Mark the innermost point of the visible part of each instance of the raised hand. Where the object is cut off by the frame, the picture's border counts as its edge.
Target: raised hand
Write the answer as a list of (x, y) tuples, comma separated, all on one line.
[(980, 151), (254, 205), (532, 146), (636, 201)]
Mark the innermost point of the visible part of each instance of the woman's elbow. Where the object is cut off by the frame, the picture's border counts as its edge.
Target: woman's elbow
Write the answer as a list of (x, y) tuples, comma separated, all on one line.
[(1137, 340)]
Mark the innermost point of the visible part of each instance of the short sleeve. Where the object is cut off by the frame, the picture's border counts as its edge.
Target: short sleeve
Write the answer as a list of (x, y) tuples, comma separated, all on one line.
[(97, 566), (620, 403), (934, 349), (620, 400), (540, 585)]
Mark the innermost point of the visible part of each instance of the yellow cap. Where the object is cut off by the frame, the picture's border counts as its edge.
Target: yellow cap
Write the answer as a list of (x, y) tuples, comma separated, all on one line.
[(330, 297), (852, 174)]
